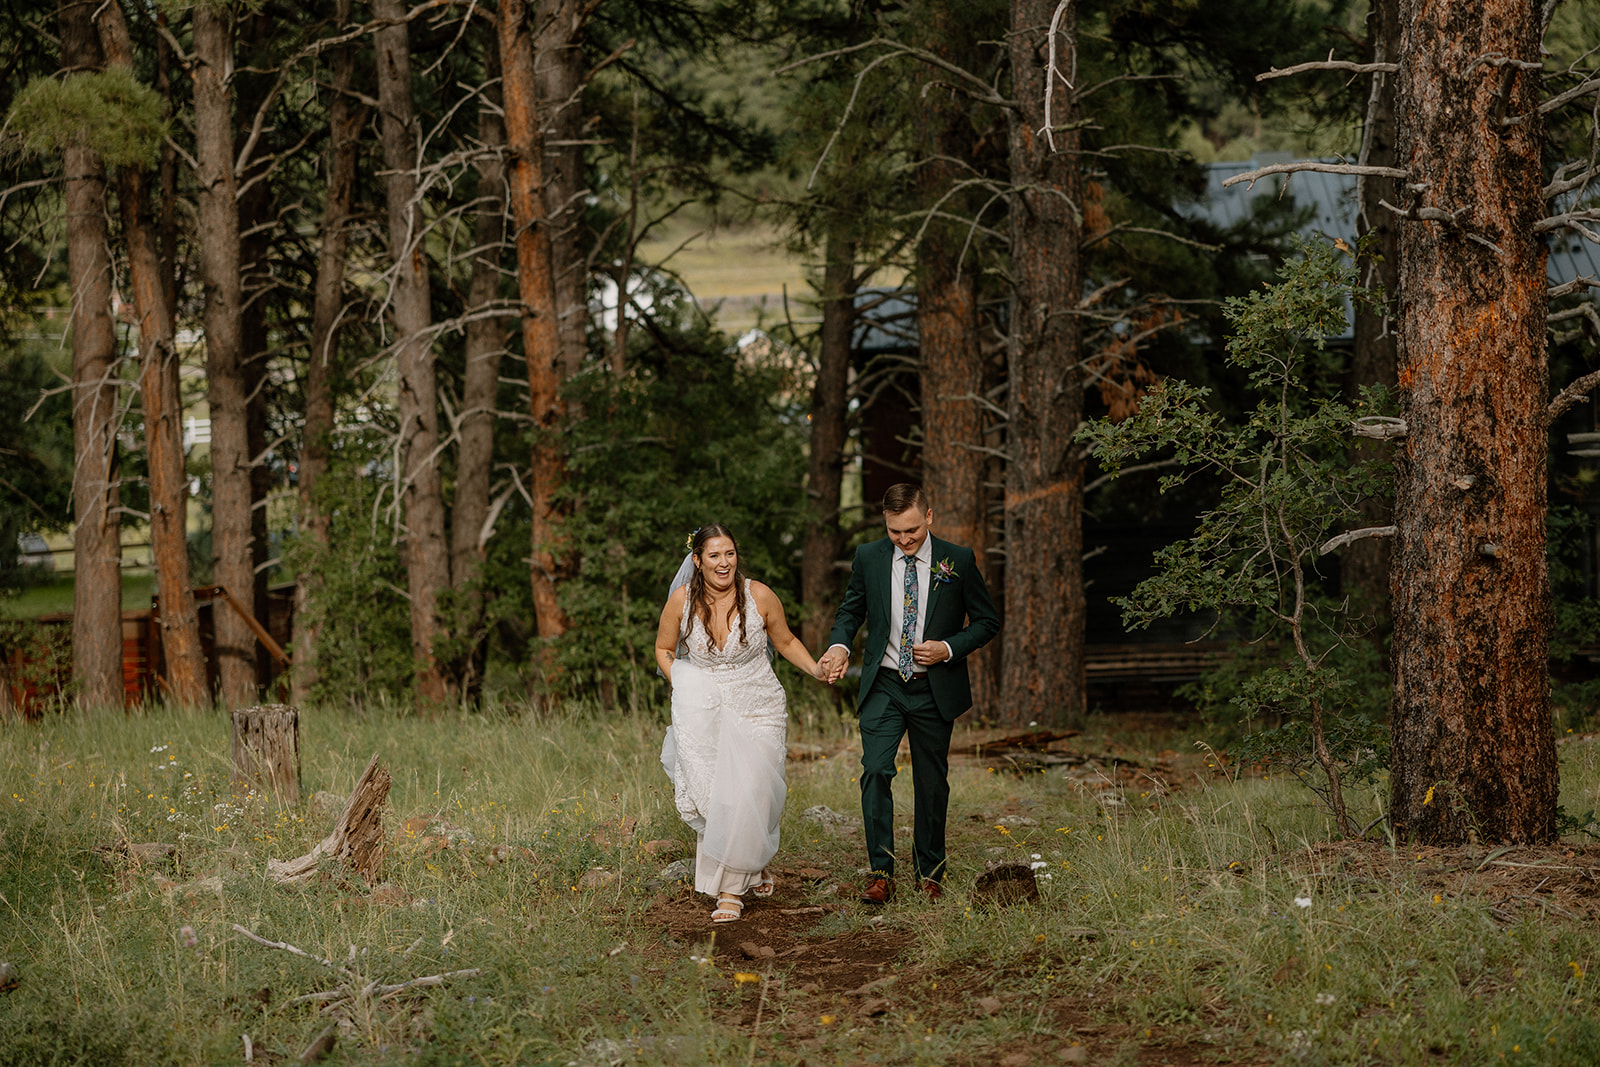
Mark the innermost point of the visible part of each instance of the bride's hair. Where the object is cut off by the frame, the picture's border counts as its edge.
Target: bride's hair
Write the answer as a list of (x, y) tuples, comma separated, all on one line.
[(697, 582)]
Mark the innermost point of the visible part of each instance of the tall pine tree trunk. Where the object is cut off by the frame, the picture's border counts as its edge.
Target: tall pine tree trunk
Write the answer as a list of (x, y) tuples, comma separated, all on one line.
[(226, 390), (541, 335), (1473, 749), (1364, 565), (1044, 598), (484, 342), (96, 541), (161, 407), (345, 120), (426, 552), (824, 540), (559, 70), (948, 333)]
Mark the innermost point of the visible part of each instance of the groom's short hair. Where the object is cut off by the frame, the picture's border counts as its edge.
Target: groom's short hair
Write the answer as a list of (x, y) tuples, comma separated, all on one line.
[(904, 496)]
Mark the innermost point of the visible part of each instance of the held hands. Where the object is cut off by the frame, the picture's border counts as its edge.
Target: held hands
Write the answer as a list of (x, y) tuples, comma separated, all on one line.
[(830, 668)]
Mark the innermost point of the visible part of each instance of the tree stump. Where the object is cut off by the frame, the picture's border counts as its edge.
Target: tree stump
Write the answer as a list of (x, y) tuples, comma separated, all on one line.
[(357, 838), (266, 751)]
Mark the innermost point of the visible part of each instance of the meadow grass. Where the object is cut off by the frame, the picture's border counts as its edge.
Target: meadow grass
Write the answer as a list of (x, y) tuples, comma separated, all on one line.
[(1208, 922)]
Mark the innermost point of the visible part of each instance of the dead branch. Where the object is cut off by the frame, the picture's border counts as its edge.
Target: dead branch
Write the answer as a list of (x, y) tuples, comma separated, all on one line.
[(286, 947), (357, 838), (1335, 543), (1561, 99), (1577, 284), (1052, 71), (1330, 64), (1573, 395), (1252, 176), (1119, 228), (1570, 219), (1379, 427)]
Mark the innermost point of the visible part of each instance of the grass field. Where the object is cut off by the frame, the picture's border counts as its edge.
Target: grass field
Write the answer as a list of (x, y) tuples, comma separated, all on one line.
[(1187, 913), (54, 595)]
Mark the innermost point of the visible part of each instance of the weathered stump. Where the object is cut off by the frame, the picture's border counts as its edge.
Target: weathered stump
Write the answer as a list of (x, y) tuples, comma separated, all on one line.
[(1004, 884), (357, 838), (266, 751)]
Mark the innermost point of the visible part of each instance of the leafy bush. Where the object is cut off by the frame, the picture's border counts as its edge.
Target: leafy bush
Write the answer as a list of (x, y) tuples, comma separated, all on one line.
[(1286, 480)]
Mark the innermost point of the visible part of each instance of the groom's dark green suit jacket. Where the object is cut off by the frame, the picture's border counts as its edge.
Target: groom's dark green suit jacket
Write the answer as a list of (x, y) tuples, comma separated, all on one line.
[(959, 612)]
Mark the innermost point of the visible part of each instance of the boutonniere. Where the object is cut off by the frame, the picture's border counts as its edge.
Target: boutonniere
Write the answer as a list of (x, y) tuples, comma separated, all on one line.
[(945, 571)]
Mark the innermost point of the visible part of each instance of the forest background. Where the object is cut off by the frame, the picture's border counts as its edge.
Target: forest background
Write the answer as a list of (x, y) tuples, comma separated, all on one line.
[(382, 248)]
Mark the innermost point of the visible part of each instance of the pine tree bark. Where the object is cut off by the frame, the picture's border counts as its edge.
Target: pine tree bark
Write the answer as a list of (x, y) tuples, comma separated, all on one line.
[(1364, 565), (345, 120), (220, 275), (541, 335), (559, 75), (824, 540), (426, 549), (485, 341), (162, 409), (948, 334), (1044, 596), (1473, 752), (96, 540)]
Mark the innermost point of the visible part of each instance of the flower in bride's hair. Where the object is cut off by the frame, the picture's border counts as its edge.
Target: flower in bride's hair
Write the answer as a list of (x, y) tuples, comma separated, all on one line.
[(688, 542)]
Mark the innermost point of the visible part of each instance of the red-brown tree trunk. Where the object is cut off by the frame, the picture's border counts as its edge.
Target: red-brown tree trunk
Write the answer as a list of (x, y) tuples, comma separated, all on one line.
[(1364, 565), (96, 541), (559, 73), (220, 274), (162, 409), (541, 335), (1042, 665), (948, 333), (1473, 749), (427, 551), (345, 119), (824, 539), (484, 342)]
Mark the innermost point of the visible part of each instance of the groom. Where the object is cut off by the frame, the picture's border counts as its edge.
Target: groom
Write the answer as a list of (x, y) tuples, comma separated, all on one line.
[(926, 610)]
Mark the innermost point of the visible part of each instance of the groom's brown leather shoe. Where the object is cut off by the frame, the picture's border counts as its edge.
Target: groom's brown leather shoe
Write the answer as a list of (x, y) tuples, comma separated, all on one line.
[(931, 889), (879, 890)]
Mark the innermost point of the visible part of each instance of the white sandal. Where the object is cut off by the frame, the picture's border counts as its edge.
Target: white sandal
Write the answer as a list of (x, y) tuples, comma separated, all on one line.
[(729, 909), (766, 887)]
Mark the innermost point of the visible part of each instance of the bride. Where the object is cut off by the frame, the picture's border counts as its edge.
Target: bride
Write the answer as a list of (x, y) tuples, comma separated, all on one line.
[(725, 748)]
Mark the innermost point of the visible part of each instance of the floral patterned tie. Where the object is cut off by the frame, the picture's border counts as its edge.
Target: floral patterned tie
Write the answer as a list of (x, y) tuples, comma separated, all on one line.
[(908, 619)]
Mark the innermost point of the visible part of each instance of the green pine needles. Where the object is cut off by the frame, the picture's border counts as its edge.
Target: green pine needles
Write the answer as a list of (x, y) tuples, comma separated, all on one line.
[(108, 111), (1286, 485)]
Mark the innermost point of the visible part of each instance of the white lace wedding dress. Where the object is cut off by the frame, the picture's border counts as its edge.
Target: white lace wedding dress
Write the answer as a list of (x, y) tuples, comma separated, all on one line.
[(725, 752)]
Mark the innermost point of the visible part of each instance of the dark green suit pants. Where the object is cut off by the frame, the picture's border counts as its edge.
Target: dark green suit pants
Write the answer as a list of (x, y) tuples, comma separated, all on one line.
[(894, 709)]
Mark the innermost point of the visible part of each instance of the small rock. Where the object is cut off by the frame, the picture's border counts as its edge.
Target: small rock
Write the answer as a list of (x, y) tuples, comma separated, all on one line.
[(875, 1007), (10, 978), (1016, 1059), (613, 833), (678, 870), (1006, 883), (756, 952), (596, 878), (823, 815), (1073, 1054), (990, 1005), (880, 983), (813, 874), (662, 848), (1016, 820), (326, 803)]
